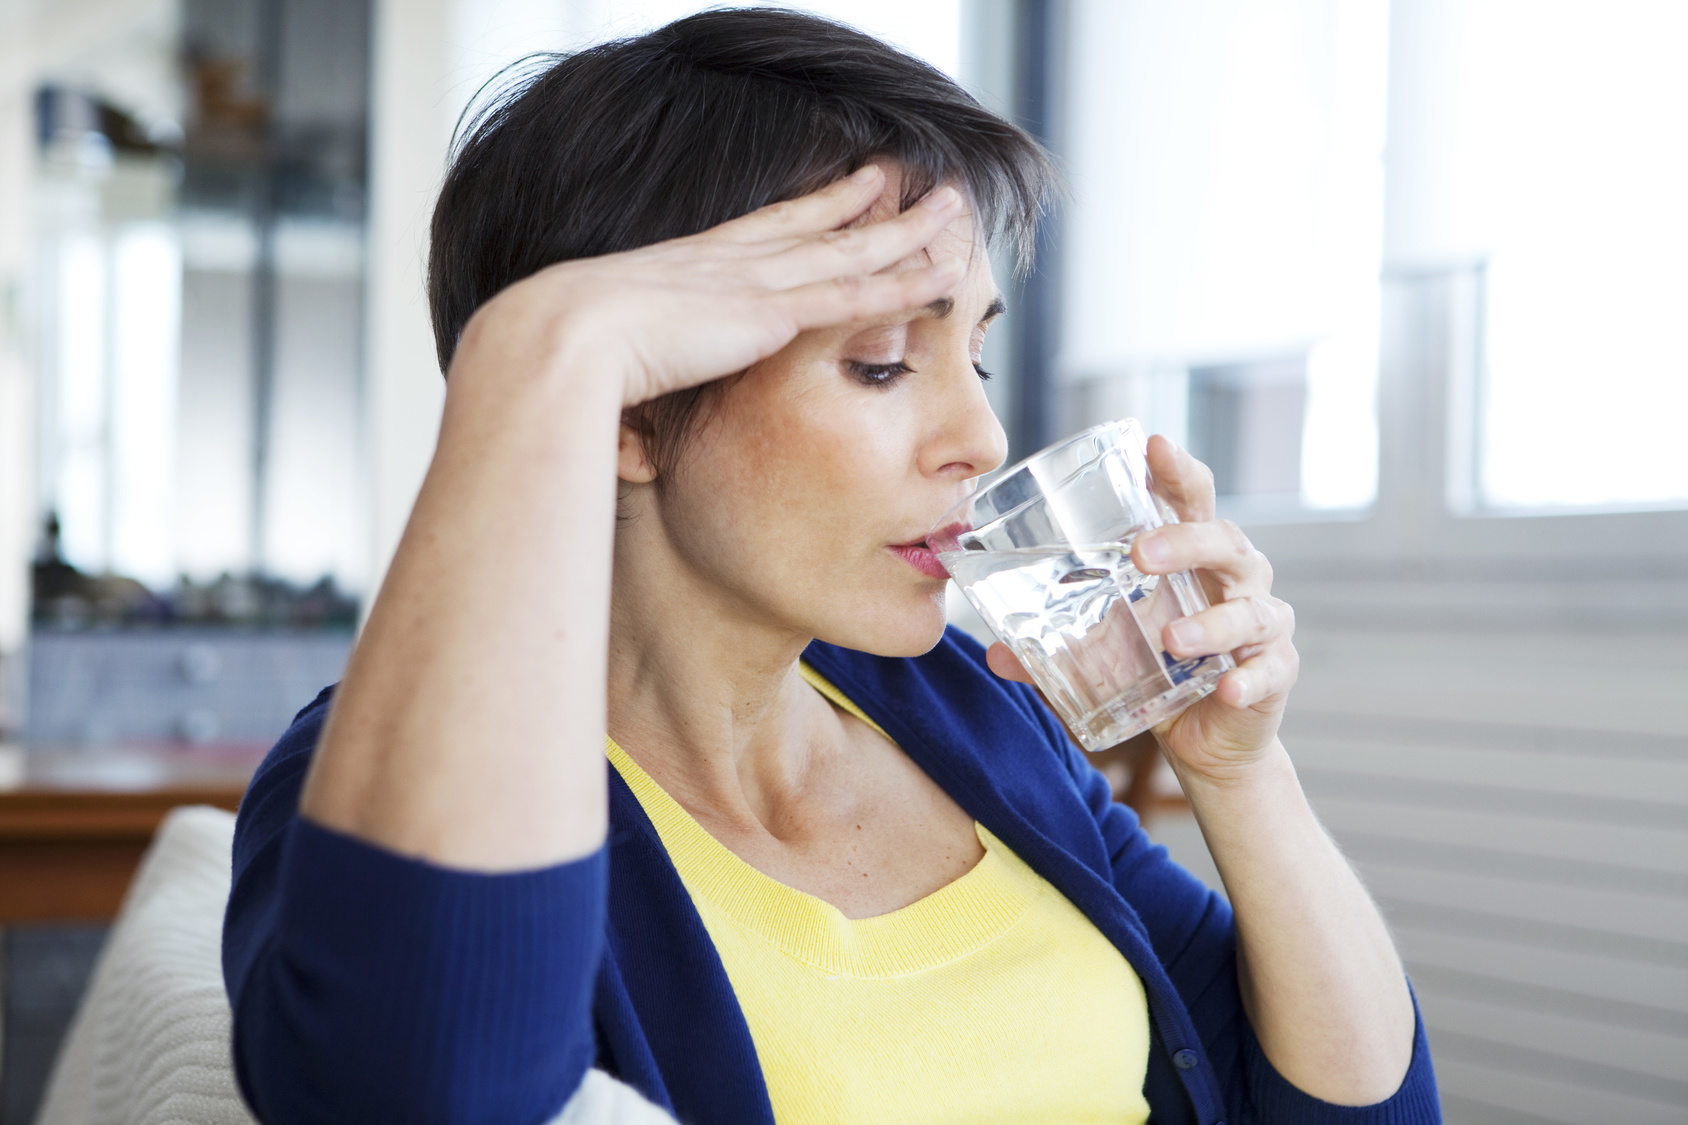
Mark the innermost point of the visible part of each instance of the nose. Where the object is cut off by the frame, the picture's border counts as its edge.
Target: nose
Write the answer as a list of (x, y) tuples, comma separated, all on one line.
[(968, 440)]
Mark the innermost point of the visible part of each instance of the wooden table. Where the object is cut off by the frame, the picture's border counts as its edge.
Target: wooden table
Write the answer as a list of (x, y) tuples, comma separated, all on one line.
[(74, 824)]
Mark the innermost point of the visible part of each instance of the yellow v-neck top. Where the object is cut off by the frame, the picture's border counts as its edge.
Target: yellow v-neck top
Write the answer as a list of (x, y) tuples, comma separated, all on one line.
[(991, 999)]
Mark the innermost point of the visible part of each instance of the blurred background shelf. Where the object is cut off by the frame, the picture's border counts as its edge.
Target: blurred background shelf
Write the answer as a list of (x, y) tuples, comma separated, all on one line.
[(73, 826)]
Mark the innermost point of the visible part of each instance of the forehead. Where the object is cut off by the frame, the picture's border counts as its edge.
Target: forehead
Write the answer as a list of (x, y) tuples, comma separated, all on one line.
[(960, 238)]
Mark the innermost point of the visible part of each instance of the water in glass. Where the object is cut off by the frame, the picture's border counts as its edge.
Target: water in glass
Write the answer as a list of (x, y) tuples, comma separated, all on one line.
[(1087, 625)]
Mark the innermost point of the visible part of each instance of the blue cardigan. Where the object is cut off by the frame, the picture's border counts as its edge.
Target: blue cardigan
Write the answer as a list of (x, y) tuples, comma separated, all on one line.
[(374, 988)]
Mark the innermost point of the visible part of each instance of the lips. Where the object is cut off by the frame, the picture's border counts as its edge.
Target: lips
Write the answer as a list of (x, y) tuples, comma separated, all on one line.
[(948, 537), (922, 558)]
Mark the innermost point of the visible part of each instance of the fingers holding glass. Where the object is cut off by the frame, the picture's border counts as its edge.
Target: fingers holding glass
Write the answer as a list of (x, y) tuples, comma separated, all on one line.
[(1257, 619), (1182, 481), (1001, 660), (1218, 547), (1268, 674)]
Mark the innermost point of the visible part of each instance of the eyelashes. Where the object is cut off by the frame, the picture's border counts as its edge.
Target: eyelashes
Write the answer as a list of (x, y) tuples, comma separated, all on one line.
[(884, 374), (878, 374)]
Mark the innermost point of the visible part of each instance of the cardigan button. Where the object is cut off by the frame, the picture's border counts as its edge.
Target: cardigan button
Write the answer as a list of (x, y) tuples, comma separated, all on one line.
[(1184, 1059)]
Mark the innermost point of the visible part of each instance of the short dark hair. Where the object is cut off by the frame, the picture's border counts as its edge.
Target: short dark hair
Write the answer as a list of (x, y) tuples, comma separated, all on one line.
[(670, 133)]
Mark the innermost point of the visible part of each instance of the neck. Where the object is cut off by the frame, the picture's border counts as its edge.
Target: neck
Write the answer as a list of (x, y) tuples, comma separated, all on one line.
[(707, 700)]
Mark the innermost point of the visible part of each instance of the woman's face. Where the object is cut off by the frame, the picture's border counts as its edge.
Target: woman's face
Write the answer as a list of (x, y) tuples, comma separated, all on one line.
[(803, 501)]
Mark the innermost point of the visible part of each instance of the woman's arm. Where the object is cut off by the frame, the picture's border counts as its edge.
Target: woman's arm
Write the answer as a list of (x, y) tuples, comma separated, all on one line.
[(1319, 976), (469, 728)]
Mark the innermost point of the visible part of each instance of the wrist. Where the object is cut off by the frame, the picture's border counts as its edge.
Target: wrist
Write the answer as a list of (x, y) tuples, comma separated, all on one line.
[(1250, 809), (1265, 770), (538, 338)]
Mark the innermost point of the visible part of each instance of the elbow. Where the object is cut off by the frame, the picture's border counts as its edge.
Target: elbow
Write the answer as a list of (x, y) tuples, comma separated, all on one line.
[(299, 1063)]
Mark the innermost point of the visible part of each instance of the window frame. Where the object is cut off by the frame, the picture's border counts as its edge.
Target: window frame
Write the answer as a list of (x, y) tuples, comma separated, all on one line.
[(1424, 522)]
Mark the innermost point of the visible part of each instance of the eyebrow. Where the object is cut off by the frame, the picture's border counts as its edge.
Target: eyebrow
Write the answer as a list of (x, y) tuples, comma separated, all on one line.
[(943, 306)]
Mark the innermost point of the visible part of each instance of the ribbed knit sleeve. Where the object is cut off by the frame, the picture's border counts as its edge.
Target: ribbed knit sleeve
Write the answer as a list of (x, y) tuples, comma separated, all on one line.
[(1416, 1102), (371, 987), (1194, 937)]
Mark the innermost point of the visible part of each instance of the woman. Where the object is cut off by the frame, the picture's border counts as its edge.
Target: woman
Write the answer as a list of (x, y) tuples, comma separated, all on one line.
[(712, 303)]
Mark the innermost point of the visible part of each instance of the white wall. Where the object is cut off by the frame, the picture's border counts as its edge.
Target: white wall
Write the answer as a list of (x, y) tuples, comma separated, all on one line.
[(410, 126)]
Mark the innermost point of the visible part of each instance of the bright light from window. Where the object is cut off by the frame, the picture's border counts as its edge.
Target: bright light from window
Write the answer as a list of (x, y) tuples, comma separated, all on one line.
[(1574, 125), (146, 326), (1339, 441), (81, 470), (1226, 165)]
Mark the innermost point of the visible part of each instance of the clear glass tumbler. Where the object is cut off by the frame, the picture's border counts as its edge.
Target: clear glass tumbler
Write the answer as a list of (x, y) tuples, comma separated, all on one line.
[(1044, 554)]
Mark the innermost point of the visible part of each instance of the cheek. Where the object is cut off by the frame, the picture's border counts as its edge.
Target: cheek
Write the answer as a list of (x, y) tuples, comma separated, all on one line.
[(791, 490), (819, 450), (744, 495), (788, 514), (849, 467)]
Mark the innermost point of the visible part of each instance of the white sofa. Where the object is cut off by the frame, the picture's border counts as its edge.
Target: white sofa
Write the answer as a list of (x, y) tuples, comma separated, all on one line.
[(150, 1041)]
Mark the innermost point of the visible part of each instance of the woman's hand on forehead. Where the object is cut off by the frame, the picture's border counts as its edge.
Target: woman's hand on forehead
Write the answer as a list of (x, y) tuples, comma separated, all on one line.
[(503, 574), (679, 313)]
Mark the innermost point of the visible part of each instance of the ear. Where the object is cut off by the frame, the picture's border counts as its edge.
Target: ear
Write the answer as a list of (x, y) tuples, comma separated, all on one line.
[(632, 465)]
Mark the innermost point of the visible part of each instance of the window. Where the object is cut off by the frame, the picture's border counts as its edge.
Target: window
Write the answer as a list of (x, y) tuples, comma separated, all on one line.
[(1553, 160), (1579, 171), (1226, 167)]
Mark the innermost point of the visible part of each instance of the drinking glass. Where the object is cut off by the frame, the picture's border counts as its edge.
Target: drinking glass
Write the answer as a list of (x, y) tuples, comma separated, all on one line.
[(1044, 554)]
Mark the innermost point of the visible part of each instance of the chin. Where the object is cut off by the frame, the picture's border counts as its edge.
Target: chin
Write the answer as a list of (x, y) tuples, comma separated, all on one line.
[(899, 626)]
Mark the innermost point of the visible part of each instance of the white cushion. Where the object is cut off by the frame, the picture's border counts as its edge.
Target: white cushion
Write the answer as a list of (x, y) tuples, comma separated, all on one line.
[(602, 1100), (150, 1042)]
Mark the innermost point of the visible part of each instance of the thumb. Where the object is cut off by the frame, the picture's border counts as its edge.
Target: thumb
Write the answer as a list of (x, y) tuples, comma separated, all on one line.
[(1004, 663)]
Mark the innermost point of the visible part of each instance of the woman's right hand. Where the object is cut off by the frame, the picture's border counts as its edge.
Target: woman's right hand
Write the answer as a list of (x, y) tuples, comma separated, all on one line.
[(675, 314)]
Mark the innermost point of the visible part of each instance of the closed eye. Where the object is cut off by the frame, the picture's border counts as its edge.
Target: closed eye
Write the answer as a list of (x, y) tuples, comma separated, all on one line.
[(879, 374), (884, 374)]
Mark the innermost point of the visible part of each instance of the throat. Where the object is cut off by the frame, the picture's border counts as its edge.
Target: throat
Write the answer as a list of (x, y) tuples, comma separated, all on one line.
[(770, 767), (805, 788)]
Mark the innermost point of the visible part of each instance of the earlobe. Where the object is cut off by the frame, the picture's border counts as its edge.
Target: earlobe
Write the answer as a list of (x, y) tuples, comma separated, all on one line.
[(632, 465)]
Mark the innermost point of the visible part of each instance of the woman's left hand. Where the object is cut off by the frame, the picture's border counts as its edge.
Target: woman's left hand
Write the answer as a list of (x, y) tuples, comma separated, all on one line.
[(1225, 732)]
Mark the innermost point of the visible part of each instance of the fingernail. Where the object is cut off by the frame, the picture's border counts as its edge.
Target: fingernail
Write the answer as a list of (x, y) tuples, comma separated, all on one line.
[(1187, 634), (865, 173), (942, 199), (1244, 689), (1153, 550)]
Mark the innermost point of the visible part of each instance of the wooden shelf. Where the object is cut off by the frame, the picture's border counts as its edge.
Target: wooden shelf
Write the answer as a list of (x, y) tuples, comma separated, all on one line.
[(74, 824)]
